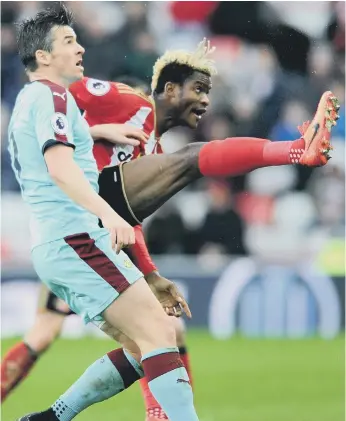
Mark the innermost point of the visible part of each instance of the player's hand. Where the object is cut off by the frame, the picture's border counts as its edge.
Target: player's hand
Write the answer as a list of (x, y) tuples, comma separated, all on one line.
[(122, 234), (120, 134), (168, 294)]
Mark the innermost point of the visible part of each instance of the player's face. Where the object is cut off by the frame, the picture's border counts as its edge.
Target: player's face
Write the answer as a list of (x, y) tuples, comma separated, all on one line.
[(66, 55), (194, 99)]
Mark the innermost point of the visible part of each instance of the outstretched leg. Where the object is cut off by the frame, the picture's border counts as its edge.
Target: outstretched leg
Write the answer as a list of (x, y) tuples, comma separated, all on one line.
[(150, 181)]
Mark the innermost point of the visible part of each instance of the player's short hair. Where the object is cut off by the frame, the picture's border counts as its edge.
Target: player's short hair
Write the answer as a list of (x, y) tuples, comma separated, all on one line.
[(177, 65), (35, 33)]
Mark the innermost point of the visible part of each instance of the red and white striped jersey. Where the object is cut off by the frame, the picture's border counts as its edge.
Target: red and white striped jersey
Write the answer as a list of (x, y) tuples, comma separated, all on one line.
[(106, 102)]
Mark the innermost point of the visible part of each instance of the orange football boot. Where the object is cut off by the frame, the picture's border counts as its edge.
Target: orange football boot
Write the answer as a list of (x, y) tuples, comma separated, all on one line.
[(317, 133)]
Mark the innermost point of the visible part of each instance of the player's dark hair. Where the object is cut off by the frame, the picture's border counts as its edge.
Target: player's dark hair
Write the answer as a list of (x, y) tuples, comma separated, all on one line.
[(175, 73), (36, 33)]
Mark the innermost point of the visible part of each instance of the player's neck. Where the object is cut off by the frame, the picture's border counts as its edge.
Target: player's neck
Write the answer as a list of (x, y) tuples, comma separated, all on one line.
[(165, 120), (44, 75)]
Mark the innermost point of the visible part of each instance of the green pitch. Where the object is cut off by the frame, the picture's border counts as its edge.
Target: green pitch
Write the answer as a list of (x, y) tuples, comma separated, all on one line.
[(236, 380)]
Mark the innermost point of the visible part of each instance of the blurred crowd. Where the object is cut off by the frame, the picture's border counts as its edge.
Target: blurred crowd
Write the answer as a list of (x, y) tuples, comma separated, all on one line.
[(274, 60)]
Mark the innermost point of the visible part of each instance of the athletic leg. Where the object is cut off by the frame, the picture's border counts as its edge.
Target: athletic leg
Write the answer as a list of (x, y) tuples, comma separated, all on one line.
[(104, 287), (147, 183), (154, 411), (156, 363), (150, 181), (21, 358)]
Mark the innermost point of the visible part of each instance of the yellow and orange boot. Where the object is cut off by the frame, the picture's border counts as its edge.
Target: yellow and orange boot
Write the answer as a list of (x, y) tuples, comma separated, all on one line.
[(317, 133)]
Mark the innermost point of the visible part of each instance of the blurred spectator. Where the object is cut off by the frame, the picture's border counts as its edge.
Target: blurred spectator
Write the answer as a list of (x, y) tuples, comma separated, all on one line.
[(222, 229), (166, 232), (192, 11), (336, 29), (293, 114), (256, 23), (11, 71), (141, 58)]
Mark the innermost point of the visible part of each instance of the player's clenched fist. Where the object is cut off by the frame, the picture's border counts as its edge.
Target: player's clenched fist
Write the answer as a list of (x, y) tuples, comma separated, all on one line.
[(122, 234)]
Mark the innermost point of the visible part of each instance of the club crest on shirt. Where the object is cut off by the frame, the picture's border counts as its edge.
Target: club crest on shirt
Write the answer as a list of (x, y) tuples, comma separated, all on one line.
[(59, 123), (98, 87)]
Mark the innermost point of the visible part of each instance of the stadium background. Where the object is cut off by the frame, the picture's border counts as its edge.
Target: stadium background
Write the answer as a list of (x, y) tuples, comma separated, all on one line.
[(261, 257)]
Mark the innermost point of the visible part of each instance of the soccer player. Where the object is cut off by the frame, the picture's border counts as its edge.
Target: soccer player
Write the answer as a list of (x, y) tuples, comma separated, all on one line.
[(51, 152), (52, 311), (182, 98)]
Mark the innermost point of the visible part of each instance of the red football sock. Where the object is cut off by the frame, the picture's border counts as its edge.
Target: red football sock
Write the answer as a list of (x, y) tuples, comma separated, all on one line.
[(153, 408), (239, 155), (15, 367)]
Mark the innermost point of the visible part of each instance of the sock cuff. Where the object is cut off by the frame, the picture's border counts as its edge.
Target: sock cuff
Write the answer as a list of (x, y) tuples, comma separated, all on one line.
[(124, 366), (160, 364), (159, 351), (62, 411)]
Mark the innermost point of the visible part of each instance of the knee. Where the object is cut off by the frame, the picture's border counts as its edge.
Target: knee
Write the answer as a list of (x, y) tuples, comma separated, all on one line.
[(191, 150), (130, 346), (189, 155), (161, 331), (169, 330)]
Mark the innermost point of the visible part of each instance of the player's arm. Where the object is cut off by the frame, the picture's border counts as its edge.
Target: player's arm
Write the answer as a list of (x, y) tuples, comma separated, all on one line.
[(71, 179), (119, 134), (140, 253), (54, 134), (165, 290), (95, 96)]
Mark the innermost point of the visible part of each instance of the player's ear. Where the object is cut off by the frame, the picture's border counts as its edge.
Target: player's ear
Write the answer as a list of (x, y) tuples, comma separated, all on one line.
[(170, 89), (42, 57)]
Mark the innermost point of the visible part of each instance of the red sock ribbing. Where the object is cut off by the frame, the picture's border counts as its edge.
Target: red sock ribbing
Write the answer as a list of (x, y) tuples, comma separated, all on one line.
[(240, 155)]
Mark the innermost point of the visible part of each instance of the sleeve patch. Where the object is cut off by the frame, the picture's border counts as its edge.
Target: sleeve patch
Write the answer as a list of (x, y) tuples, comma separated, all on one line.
[(98, 87), (60, 124)]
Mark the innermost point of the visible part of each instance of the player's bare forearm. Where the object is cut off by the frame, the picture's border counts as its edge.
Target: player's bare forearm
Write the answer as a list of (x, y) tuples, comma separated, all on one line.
[(119, 134), (98, 132), (72, 181)]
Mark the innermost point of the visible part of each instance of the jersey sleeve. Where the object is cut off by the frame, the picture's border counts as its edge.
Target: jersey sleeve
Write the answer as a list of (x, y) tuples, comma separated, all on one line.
[(53, 125), (93, 95), (140, 253)]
